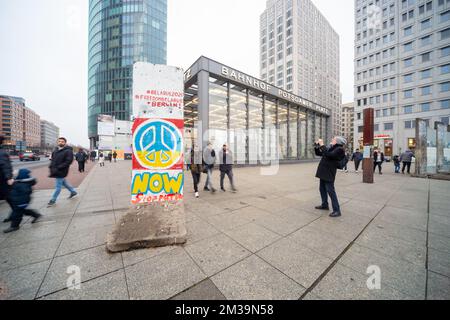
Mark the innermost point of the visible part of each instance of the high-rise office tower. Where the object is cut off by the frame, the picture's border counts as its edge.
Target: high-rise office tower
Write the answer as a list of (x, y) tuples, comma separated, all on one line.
[(402, 68), (300, 53), (347, 122), (121, 32)]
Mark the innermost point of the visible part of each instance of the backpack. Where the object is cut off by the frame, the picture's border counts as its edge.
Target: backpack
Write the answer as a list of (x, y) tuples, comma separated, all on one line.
[(342, 163)]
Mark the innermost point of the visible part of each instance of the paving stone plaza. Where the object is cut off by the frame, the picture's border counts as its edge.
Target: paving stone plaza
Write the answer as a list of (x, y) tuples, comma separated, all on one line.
[(265, 242)]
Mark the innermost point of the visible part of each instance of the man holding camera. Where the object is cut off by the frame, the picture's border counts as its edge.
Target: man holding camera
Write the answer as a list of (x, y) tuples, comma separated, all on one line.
[(332, 157)]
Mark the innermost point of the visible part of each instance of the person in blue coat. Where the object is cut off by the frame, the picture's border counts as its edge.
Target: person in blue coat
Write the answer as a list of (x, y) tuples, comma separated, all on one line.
[(20, 198)]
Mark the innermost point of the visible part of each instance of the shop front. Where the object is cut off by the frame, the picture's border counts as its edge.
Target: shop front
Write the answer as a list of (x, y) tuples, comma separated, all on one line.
[(259, 122), (385, 143)]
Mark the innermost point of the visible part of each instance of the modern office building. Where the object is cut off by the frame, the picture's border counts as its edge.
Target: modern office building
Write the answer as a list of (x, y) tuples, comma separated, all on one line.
[(259, 121), (19, 124), (121, 33), (299, 52), (402, 68), (347, 123), (49, 135)]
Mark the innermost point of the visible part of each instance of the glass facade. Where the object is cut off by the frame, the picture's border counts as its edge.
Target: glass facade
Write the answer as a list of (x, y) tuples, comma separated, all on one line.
[(258, 126), (121, 32)]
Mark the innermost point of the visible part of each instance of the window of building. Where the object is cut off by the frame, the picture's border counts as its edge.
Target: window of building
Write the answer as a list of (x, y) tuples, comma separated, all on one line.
[(425, 40), (445, 51), (407, 78), (407, 31), (407, 109), (410, 124), (445, 16), (445, 69), (426, 57), (407, 46), (445, 34), (408, 62), (389, 126), (425, 74), (426, 90), (445, 104), (425, 24), (445, 86), (408, 93), (425, 107), (376, 127)]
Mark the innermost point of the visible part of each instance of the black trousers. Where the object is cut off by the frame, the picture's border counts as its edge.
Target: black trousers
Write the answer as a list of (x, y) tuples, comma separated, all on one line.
[(228, 173), (81, 166), (327, 189), (196, 178), (357, 163), (377, 164), (406, 165), (18, 213)]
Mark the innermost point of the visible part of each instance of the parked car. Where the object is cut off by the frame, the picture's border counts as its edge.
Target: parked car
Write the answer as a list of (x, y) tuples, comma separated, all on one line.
[(29, 156)]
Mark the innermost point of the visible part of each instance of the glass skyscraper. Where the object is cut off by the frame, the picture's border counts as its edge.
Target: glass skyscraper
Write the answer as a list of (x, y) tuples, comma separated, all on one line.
[(121, 32)]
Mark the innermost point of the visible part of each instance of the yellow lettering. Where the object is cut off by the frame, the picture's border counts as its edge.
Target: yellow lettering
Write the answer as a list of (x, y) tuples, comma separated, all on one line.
[(173, 185), (140, 183)]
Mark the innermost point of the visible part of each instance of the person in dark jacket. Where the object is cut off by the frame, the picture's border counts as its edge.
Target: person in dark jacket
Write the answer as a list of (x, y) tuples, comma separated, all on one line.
[(115, 156), (20, 197), (326, 172), (209, 157), (62, 159), (406, 158), (196, 168), (226, 167), (378, 158), (81, 158), (396, 163), (93, 155), (357, 157), (6, 175)]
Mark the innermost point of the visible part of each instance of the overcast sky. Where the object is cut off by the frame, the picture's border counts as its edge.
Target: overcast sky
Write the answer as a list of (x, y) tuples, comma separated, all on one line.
[(44, 43)]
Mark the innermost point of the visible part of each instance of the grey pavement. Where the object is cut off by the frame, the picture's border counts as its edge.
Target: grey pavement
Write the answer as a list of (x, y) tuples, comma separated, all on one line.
[(264, 242)]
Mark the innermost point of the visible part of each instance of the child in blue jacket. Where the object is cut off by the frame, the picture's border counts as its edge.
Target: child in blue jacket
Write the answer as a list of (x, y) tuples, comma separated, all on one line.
[(20, 198)]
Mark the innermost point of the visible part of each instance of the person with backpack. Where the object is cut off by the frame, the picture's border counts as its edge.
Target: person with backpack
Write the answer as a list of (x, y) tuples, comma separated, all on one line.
[(406, 158), (81, 158), (357, 157), (20, 199), (209, 158), (333, 158), (378, 157), (396, 160)]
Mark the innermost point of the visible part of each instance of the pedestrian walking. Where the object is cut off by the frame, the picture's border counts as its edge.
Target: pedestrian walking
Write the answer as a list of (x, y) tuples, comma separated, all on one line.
[(115, 156), (62, 159), (110, 157), (101, 159), (20, 198), (396, 160), (406, 159), (196, 168), (81, 158), (6, 175), (93, 155), (209, 158), (332, 158), (347, 159), (357, 157), (226, 167), (378, 157)]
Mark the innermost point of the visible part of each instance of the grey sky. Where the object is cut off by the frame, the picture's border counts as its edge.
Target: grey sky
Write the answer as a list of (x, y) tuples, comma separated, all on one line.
[(43, 57)]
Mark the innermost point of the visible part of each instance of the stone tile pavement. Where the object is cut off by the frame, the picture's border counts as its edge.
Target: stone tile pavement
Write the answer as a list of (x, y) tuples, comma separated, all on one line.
[(264, 242)]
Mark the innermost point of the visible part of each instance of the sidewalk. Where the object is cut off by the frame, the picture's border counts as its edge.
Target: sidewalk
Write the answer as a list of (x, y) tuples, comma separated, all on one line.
[(265, 242)]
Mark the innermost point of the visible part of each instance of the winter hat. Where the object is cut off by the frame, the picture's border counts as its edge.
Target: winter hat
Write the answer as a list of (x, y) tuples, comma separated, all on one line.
[(341, 140), (23, 174)]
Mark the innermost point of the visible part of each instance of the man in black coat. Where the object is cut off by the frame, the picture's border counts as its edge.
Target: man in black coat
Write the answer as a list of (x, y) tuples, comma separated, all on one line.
[(326, 172), (6, 175), (226, 167), (62, 159)]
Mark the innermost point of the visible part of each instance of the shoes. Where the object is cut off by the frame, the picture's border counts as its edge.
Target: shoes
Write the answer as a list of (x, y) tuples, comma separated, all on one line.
[(11, 229), (206, 189), (223, 190), (322, 208), (73, 195), (335, 214), (36, 219), (51, 203), (213, 190), (356, 171), (197, 195), (234, 190), (7, 220)]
